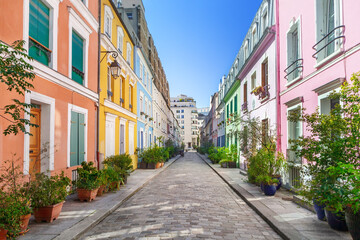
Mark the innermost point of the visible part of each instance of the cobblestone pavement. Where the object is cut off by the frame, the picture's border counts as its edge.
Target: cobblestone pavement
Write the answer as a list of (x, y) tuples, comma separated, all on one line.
[(186, 201)]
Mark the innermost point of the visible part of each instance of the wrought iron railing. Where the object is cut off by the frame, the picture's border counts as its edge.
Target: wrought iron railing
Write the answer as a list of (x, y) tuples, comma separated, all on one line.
[(265, 93), (40, 48), (326, 44), (294, 68)]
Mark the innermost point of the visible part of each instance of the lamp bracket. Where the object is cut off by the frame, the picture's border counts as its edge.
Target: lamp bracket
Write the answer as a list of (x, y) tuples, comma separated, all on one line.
[(113, 53)]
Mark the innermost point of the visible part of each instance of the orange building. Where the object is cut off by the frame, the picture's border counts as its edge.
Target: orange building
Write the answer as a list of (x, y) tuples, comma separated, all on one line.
[(62, 37)]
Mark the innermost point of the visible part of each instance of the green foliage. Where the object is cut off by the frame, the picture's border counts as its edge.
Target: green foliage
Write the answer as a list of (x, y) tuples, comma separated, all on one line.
[(232, 155), (46, 191), (14, 196), (88, 177), (16, 73), (332, 149), (121, 163), (218, 154), (152, 154)]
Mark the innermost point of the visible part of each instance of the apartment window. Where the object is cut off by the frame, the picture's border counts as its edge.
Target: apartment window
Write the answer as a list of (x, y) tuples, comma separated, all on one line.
[(182, 121), (245, 92), (253, 37), (130, 95), (77, 139), (182, 110), (129, 15), (118, 4), (264, 20), (109, 84), (141, 104), (293, 58), (128, 53), (264, 73), (120, 38), (177, 116), (182, 116), (294, 128), (141, 71), (77, 58), (108, 20), (177, 111), (235, 104), (145, 106), (121, 91), (39, 33), (253, 81), (327, 19), (246, 50)]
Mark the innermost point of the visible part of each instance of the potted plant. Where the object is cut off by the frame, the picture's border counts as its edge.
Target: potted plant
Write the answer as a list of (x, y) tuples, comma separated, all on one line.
[(122, 164), (256, 91), (48, 195), (103, 182), (113, 178), (87, 183), (269, 184)]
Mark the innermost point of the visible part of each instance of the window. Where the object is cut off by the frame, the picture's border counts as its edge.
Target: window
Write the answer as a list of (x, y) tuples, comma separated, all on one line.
[(118, 4), (130, 96), (177, 111), (253, 81), (141, 104), (141, 71), (246, 50), (235, 104), (293, 51), (77, 58), (108, 20), (182, 121), (182, 116), (177, 116), (227, 111), (294, 128), (109, 84), (120, 39), (327, 19), (264, 20), (77, 139), (253, 37), (327, 104), (245, 92), (264, 73), (39, 33), (182, 110), (128, 53), (129, 15)]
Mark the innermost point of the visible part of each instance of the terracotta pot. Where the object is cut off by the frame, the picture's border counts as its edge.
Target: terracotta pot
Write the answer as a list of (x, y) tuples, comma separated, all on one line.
[(87, 195), (158, 165), (48, 213), (24, 222), (162, 164), (114, 186), (101, 190), (3, 233)]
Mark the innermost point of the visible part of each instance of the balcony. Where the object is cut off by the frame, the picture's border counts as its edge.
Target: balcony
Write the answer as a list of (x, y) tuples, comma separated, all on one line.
[(294, 69), (264, 94), (329, 44)]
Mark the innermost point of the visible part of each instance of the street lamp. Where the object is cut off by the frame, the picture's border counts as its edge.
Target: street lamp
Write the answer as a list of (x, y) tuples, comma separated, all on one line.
[(115, 68)]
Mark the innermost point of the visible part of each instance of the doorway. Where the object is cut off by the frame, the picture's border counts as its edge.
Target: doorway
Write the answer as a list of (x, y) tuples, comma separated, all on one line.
[(35, 141)]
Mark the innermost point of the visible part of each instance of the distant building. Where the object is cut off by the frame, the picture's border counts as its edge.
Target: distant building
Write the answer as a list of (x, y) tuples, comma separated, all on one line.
[(185, 111)]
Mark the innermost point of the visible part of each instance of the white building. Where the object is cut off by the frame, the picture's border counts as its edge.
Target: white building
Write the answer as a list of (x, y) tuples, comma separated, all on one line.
[(160, 115), (185, 111)]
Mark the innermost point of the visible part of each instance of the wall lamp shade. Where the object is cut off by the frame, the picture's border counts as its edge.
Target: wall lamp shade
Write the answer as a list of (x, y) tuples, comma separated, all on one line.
[(115, 69)]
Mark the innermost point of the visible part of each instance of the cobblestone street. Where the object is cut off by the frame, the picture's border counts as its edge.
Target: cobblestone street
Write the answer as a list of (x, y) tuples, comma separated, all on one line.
[(186, 201)]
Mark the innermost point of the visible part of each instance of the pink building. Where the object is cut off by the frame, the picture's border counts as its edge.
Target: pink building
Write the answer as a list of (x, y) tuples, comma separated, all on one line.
[(318, 49)]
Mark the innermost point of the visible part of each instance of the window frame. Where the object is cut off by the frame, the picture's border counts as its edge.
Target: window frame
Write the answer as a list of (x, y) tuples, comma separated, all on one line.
[(108, 15), (120, 39)]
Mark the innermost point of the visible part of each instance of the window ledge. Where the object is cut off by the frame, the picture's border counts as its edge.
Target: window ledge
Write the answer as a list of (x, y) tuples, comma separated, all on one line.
[(329, 58), (288, 84)]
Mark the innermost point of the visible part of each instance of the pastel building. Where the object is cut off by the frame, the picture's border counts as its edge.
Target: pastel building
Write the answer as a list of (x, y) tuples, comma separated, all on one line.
[(62, 37), (318, 50), (220, 115), (117, 103)]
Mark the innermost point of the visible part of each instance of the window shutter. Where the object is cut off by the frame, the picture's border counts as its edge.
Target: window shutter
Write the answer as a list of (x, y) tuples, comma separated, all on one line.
[(74, 141), (81, 134), (245, 92), (77, 57), (235, 104), (227, 111), (231, 106)]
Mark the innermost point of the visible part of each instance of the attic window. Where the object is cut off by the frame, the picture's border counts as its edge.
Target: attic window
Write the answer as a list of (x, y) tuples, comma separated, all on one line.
[(129, 15)]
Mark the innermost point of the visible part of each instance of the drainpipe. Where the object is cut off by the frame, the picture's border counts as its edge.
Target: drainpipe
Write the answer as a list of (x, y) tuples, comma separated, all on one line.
[(98, 103), (278, 110)]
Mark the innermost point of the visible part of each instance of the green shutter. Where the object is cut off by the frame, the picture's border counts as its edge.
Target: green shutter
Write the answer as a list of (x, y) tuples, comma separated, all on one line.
[(235, 104), (227, 111), (77, 57), (231, 106), (74, 140), (39, 30), (81, 138)]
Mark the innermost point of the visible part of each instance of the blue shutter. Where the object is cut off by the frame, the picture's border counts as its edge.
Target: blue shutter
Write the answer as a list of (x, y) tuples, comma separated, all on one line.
[(74, 141), (81, 138), (77, 58)]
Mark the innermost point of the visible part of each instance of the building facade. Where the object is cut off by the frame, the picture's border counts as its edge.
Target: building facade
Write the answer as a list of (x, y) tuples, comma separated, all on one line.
[(185, 111), (118, 105), (62, 37), (316, 56)]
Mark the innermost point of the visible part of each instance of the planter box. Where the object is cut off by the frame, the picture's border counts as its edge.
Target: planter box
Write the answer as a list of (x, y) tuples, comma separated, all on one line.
[(24, 223), (101, 190), (87, 195), (231, 164), (3, 233), (224, 165), (151, 165), (48, 213), (143, 165)]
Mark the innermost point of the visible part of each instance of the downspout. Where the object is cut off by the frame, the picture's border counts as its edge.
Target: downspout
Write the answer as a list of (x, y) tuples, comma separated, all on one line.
[(278, 106), (98, 104)]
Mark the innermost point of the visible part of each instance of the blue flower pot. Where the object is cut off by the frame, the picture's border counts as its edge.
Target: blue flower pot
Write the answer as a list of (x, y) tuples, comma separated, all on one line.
[(336, 220), (353, 223), (320, 211), (269, 190)]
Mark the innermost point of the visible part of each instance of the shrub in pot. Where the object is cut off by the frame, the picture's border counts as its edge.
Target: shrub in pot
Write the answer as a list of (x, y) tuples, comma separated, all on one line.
[(103, 182), (87, 183), (15, 196), (269, 184), (122, 164), (48, 195), (113, 178)]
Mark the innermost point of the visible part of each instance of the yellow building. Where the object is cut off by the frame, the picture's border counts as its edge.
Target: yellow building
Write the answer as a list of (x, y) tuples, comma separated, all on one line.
[(117, 110)]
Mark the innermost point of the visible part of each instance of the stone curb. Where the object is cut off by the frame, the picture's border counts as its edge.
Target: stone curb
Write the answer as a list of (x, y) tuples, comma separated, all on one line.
[(76, 231), (284, 229)]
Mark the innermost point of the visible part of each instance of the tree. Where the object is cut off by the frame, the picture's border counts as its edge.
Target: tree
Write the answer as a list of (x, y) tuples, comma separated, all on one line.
[(16, 73)]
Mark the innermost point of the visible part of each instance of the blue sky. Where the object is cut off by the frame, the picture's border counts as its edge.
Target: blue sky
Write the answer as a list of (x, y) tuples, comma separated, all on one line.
[(197, 41)]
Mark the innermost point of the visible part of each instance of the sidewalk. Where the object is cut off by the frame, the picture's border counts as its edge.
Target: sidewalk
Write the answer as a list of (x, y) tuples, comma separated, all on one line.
[(286, 217), (77, 217)]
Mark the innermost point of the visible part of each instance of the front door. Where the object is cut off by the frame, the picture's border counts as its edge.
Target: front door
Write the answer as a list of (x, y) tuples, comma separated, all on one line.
[(122, 139), (35, 141), (110, 137)]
